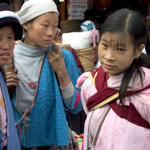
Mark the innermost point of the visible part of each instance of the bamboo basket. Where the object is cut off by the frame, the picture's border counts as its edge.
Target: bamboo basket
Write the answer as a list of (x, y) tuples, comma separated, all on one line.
[(64, 46), (87, 56)]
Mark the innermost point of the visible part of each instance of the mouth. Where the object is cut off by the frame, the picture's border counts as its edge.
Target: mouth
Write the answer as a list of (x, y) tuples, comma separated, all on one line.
[(5, 56), (48, 41), (108, 66)]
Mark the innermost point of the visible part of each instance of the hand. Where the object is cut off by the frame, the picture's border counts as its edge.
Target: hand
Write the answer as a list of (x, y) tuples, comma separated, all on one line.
[(57, 62), (56, 59), (11, 78)]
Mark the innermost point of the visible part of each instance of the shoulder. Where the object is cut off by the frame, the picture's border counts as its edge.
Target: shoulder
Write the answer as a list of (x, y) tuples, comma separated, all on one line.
[(82, 78), (146, 76), (18, 46), (146, 70)]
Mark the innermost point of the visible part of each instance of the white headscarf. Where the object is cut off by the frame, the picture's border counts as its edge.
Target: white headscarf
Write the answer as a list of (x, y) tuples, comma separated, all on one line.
[(34, 8)]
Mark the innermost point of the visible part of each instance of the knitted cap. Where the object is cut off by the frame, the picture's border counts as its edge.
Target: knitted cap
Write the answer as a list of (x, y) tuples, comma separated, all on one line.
[(34, 8), (9, 18)]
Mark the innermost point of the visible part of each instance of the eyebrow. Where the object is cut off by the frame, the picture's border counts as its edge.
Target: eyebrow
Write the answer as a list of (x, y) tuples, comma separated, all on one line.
[(104, 40), (48, 21)]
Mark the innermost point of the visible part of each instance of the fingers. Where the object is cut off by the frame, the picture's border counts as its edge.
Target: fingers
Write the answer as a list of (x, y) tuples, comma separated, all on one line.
[(10, 83), (12, 79), (55, 48), (55, 53), (15, 71)]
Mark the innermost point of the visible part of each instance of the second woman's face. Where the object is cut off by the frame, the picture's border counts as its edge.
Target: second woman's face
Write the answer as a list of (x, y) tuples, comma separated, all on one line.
[(42, 30), (7, 43)]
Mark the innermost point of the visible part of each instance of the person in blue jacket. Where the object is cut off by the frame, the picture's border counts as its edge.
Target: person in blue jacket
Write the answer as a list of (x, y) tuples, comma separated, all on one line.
[(10, 30), (47, 81)]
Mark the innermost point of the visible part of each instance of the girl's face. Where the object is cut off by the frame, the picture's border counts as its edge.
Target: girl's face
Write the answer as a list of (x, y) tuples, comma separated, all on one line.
[(7, 43), (42, 30), (116, 53)]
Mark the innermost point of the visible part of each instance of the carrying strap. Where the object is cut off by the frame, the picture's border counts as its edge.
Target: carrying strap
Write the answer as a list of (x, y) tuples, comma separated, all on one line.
[(91, 144)]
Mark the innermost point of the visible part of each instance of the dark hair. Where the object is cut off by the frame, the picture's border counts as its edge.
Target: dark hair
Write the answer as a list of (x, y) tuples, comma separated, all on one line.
[(129, 22)]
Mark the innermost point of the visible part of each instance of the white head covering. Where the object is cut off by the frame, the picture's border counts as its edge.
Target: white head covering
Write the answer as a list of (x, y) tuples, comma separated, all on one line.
[(34, 8)]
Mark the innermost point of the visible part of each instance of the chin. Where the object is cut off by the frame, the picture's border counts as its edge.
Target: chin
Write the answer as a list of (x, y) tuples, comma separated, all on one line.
[(45, 45)]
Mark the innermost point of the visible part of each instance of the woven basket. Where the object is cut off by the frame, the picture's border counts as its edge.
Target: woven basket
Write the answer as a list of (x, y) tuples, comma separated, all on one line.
[(64, 46), (87, 57)]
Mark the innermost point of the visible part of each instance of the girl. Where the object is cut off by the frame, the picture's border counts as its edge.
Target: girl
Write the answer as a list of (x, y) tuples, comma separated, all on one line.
[(10, 30), (47, 81), (116, 96)]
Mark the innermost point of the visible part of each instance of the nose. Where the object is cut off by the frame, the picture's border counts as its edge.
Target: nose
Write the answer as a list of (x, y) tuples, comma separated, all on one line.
[(5, 44), (110, 55), (50, 32)]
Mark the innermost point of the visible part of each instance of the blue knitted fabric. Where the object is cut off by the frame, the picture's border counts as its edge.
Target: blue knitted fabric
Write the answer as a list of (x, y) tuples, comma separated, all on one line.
[(12, 139), (48, 124)]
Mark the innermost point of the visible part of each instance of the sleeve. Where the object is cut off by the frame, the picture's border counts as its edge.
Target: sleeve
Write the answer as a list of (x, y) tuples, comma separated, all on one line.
[(74, 105), (85, 83), (67, 93)]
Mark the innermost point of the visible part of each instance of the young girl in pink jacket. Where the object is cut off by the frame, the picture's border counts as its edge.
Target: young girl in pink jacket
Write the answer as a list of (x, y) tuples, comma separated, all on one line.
[(116, 96)]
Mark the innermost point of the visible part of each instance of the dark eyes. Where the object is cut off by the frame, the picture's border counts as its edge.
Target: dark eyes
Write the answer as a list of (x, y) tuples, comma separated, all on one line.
[(121, 49), (104, 45), (45, 25), (11, 37)]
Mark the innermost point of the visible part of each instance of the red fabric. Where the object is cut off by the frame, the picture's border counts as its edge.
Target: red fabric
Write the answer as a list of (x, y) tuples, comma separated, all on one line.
[(127, 112), (77, 60), (100, 4), (101, 86)]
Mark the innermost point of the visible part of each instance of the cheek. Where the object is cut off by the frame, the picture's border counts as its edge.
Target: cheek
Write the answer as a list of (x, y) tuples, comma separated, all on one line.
[(36, 31), (125, 62), (12, 45), (100, 52), (54, 32), (99, 49)]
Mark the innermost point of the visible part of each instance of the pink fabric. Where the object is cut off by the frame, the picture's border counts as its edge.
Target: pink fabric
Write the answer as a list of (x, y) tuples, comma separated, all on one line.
[(3, 119), (117, 133), (95, 37)]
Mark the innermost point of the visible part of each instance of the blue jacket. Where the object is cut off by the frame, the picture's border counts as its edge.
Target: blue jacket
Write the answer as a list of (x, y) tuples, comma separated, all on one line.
[(48, 123), (12, 139)]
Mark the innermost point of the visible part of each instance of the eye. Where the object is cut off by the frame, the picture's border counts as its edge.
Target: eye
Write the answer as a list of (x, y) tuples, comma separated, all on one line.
[(45, 25), (11, 37), (104, 45), (120, 49)]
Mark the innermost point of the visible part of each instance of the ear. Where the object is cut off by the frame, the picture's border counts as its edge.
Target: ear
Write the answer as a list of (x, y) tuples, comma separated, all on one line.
[(139, 51), (25, 26)]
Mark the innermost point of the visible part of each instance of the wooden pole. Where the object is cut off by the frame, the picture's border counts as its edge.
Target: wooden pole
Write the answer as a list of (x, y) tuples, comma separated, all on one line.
[(63, 10)]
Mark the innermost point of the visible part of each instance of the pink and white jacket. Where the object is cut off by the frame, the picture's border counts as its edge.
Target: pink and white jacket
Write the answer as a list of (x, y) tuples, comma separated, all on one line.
[(116, 133)]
